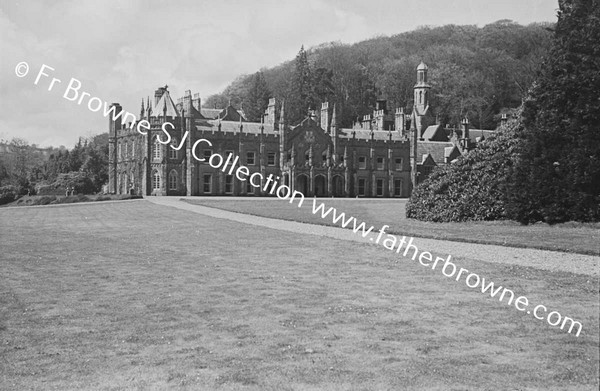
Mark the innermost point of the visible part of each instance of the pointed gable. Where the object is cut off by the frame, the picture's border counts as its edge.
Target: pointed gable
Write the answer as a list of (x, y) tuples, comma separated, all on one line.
[(308, 133), (165, 105), (435, 133)]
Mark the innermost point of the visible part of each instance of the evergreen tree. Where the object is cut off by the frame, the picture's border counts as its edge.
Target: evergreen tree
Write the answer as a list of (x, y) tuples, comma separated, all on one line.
[(558, 174), (301, 89), (257, 99)]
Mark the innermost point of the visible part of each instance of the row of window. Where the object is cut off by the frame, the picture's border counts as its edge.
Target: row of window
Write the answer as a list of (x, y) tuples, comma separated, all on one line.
[(271, 157), (379, 187), (362, 163), (172, 180), (207, 184)]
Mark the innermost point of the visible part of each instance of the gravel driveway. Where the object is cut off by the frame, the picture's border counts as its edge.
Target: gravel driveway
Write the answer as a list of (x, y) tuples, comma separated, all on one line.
[(541, 259)]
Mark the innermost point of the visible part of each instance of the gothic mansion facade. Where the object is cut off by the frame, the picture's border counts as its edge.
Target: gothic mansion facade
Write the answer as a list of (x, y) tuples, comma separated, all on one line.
[(378, 157)]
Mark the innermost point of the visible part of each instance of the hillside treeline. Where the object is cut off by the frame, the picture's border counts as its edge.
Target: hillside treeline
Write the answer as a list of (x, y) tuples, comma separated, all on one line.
[(474, 71)]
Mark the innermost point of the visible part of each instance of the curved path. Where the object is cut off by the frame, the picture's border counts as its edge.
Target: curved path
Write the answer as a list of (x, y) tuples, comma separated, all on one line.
[(540, 259)]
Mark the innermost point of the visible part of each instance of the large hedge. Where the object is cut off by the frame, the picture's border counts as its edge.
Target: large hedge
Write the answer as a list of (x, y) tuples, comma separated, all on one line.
[(473, 187)]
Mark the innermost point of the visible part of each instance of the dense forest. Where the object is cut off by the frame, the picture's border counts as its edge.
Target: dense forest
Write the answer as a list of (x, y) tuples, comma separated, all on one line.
[(474, 71)]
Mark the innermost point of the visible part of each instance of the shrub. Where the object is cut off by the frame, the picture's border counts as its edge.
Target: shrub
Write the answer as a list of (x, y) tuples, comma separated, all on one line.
[(9, 194), (473, 187)]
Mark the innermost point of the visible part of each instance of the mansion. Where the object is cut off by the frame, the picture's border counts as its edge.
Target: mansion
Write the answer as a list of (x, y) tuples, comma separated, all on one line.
[(383, 155)]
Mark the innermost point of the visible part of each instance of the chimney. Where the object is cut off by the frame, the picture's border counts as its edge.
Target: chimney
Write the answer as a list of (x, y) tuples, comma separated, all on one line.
[(113, 125), (325, 116), (465, 128), (399, 121), (158, 94), (503, 119), (196, 102), (270, 113)]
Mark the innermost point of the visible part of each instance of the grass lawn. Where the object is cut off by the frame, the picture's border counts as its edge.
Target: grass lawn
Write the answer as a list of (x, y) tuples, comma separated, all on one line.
[(133, 295), (569, 237)]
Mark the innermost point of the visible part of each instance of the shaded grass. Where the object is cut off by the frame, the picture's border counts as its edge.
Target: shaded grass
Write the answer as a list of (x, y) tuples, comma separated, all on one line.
[(53, 199), (569, 237), (139, 296)]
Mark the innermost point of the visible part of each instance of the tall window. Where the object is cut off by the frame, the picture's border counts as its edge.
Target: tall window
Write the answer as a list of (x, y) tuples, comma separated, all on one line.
[(227, 153), (324, 157), (229, 184), (362, 162), (380, 187), (271, 159), (155, 180), (207, 154), (380, 163), (172, 151), (207, 184), (156, 149), (399, 164), (119, 152), (249, 187), (361, 186), (397, 187), (250, 158), (173, 180), (132, 149)]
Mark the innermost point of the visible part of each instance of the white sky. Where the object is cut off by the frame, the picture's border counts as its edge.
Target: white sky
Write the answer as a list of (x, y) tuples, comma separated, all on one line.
[(122, 51)]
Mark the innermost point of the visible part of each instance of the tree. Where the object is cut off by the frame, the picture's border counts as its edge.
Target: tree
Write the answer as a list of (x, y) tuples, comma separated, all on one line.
[(301, 87), (558, 174), (257, 99)]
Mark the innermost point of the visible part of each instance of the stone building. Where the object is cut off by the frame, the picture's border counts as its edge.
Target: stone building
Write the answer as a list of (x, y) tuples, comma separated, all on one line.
[(377, 157)]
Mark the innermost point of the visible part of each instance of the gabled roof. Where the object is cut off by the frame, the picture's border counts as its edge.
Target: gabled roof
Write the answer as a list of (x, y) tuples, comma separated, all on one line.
[(230, 114), (165, 103), (435, 133), (436, 149)]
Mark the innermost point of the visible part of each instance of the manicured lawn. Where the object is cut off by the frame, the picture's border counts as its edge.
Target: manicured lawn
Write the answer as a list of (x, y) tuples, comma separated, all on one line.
[(133, 295), (572, 237)]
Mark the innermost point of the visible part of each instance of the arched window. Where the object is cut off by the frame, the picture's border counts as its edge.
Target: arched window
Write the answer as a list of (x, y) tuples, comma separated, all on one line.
[(173, 180), (126, 152), (172, 151), (420, 96), (156, 148), (155, 180), (119, 152), (132, 149)]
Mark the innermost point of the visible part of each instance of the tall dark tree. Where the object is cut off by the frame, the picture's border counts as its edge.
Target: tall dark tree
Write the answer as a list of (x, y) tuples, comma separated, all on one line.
[(300, 97), (257, 99), (558, 175)]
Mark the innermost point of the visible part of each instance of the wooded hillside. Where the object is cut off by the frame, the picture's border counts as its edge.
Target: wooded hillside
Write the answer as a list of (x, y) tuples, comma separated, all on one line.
[(474, 71)]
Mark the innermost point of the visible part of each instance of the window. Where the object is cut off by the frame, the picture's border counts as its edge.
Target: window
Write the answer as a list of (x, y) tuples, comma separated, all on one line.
[(227, 153), (155, 180), (380, 187), (324, 156), (173, 180), (249, 187), (207, 154), (380, 163), (399, 164), (229, 184), (132, 149), (250, 158), (156, 148), (362, 162), (119, 152), (207, 184), (397, 187), (271, 159), (361, 186), (172, 151), (306, 156)]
